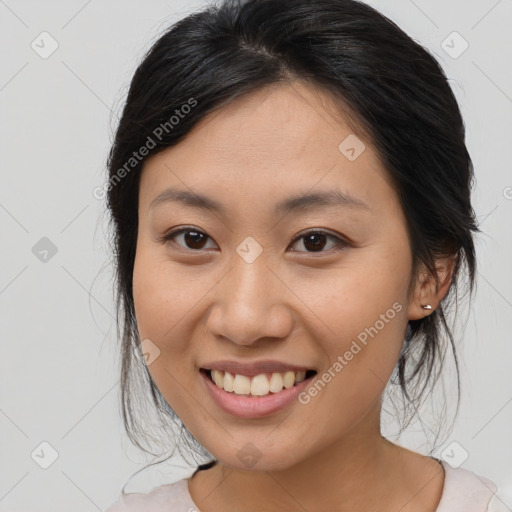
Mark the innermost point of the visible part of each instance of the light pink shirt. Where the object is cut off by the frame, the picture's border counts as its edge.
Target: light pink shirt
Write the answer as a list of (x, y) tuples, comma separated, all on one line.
[(463, 491)]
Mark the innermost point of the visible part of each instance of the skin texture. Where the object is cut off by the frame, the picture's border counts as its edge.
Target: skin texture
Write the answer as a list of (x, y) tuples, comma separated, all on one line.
[(291, 304)]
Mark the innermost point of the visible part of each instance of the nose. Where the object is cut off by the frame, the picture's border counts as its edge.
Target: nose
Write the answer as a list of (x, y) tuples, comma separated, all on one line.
[(250, 303)]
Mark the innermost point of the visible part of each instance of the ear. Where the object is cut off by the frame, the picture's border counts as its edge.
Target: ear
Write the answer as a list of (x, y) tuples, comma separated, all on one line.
[(426, 291)]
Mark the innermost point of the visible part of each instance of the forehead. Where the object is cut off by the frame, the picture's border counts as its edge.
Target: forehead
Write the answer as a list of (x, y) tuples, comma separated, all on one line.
[(284, 137)]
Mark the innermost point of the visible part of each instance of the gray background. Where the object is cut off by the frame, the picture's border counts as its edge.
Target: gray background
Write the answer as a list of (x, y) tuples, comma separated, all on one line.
[(59, 378)]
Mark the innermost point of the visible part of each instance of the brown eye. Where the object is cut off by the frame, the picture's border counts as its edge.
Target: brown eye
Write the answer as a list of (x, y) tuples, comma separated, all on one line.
[(191, 238), (316, 241), (313, 241)]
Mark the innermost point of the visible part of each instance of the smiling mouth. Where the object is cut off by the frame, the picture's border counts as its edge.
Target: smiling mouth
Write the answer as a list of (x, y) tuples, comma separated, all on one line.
[(259, 385)]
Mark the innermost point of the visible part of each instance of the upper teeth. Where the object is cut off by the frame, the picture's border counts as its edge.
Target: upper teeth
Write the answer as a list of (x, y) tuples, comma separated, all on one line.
[(258, 385)]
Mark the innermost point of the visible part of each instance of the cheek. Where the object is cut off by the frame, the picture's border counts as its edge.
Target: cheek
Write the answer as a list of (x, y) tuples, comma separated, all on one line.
[(363, 317), (360, 358), (169, 300), (359, 305), (151, 297), (162, 298)]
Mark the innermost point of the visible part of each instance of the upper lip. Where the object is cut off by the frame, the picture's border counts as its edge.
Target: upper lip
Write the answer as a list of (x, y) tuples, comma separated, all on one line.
[(254, 368)]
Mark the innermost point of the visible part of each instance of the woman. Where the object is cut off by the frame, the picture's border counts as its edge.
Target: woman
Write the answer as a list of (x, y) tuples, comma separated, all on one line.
[(290, 195)]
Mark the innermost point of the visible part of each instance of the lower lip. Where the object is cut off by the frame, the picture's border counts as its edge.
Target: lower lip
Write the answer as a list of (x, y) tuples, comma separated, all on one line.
[(245, 406)]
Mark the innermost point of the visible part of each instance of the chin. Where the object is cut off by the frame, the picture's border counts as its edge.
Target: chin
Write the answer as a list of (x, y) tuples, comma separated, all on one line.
[(258, 456)]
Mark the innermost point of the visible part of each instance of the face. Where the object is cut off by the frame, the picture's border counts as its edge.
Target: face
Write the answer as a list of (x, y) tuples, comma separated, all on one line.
[(320, 285)]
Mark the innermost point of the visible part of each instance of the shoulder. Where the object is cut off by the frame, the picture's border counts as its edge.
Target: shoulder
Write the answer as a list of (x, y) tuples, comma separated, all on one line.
[(164, 498), (464, 491)]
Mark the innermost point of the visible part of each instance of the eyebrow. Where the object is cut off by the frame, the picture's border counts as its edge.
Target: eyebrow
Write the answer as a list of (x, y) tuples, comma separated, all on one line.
[(293, 204)]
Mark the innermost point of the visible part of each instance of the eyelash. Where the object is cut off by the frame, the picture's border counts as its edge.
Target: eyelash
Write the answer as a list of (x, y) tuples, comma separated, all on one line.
[(341, 243)]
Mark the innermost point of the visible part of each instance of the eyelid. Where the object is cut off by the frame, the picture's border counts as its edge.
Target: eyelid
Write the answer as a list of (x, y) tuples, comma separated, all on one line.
[(342, 242), (169, 235)]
